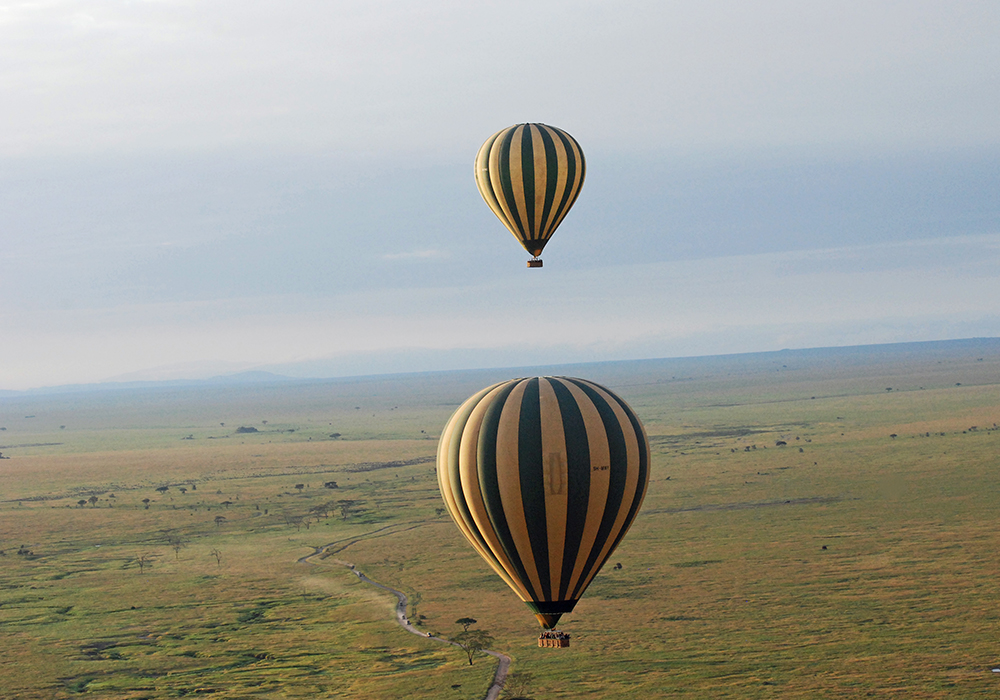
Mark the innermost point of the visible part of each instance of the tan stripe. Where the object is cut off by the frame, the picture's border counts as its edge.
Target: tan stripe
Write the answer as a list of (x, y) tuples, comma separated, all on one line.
[(562, 162), (556, 482), (448, 494), (473, 495), (600, 479), (445, 484), (512, 223), (632, 487), (448, 489), (509, 481), (483, 182)]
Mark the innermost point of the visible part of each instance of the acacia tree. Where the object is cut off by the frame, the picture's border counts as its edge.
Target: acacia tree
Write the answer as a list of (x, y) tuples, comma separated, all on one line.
[(347, 507), (414, 602), (176, 543), (473, 642), (144, 560), (322, 510), (466, 622), (517, 685)]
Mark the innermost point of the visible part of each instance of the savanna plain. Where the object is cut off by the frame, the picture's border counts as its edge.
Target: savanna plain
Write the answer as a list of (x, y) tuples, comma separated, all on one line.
[(818, 524)]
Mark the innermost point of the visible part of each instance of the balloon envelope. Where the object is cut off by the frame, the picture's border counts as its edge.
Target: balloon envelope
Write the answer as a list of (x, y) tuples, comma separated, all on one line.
[(530, 175), (543, 476)]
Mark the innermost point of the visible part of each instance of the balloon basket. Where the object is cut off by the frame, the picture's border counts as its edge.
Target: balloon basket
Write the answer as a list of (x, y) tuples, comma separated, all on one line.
[(552, 638), (535, 262)]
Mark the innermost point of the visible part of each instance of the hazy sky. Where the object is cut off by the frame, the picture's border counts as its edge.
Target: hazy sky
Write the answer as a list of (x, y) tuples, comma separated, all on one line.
[(188, 188)]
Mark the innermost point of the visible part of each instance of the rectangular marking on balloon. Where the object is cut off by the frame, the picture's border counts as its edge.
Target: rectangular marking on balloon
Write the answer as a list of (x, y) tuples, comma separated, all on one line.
[(555, 475)]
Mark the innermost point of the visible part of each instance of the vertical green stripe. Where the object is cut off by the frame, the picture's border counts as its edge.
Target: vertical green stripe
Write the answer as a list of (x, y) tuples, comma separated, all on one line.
[(490, 487), (528, 180), (574, 176), (532, 476), (578, 465), (551, 180), (616, 487)]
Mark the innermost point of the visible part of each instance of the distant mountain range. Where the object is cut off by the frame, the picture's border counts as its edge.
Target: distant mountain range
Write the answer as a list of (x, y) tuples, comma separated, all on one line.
[(848, 354)]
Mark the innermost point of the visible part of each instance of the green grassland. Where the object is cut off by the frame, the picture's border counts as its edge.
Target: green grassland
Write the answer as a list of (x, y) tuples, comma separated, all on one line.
[(859, 559)]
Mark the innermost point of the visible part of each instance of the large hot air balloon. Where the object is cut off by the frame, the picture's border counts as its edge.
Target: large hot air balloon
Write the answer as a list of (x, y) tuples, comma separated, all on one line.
[(530, 175), (544, 476)]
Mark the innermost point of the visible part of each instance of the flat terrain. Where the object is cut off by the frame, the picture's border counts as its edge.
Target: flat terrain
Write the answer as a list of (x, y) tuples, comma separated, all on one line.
[(150, 547)]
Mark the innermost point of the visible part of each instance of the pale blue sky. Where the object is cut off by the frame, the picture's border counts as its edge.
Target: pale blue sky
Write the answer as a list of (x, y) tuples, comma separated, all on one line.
[(188, 188)]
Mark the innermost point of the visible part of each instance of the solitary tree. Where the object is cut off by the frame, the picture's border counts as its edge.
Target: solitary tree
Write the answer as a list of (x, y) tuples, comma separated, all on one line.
[(473, 642), (465, 622), (144, 560), (219, 519), (517, 685), (414, 602), (92, 500), (218, 557)]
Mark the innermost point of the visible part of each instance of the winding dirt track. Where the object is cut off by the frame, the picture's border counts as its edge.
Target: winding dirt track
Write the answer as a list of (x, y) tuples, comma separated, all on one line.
[(503, 661)]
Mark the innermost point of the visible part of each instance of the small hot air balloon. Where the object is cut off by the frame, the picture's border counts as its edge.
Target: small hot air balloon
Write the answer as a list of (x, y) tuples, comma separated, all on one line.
[(530, 175), (543, 476)]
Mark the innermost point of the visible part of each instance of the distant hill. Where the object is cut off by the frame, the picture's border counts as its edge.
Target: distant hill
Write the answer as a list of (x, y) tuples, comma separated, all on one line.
[(599, 371)]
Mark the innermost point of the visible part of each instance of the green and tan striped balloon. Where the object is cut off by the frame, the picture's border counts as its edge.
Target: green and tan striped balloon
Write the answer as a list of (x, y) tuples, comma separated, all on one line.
[(543, 476), (530, 175)]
